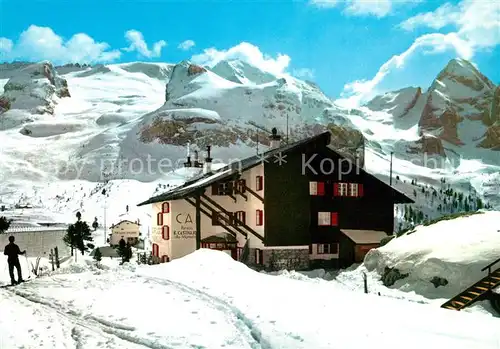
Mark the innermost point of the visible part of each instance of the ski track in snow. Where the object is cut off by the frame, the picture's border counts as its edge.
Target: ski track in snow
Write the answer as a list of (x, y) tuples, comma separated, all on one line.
[(90, 327), (78, 332), (243, 323)]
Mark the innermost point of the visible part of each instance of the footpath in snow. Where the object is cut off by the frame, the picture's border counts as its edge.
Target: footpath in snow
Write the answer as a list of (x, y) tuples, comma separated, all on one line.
[(207, 300)]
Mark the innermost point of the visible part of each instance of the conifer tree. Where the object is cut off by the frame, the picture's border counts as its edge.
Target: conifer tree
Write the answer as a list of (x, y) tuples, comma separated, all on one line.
[(97, 255), (4, 224)]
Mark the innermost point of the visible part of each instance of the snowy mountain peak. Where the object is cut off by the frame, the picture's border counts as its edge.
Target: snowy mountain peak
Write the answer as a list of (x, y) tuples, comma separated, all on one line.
[(462, 72), (34, 88), (242, 72), (160, 71)]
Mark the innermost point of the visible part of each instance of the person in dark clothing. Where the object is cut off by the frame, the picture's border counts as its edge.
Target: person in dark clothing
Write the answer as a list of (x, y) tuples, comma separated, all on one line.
[(12, 252)]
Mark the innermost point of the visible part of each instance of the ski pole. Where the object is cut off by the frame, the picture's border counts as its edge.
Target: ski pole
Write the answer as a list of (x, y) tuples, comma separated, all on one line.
[(28, 264)]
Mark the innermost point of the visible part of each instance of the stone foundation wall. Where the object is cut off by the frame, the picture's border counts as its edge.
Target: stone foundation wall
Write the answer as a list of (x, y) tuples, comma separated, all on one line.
[(251, 256), (290, 259)]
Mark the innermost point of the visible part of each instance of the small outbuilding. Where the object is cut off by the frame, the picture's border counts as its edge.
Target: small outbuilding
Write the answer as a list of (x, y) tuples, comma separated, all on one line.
[(126, 229)]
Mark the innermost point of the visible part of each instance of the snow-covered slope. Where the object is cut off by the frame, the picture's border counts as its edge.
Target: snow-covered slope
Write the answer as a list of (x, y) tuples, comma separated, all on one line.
[(207, 300)]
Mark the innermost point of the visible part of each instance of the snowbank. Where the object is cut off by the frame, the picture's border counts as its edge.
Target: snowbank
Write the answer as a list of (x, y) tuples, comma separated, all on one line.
[(455, 250), (207, 300)]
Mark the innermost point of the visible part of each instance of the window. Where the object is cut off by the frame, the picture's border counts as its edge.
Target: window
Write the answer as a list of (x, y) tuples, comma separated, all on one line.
[(240, 217), (156, 250), (328, 249), (324, 218), (259, 217), (165, 207), (159, 218), (241, 185), (164, 259), (317, 188), (165, 232), (328, 219), (258, 256), (348, 189), (222, 188), (259, 183)]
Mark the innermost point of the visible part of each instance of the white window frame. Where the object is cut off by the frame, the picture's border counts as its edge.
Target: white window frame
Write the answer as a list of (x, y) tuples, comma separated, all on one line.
[(240, 216), (343, 189), (353, 189), (222, 188), (313, 188), (324, 219)]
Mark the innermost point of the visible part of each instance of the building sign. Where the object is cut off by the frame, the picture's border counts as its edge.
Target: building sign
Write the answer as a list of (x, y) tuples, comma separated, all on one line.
[(185, 228)]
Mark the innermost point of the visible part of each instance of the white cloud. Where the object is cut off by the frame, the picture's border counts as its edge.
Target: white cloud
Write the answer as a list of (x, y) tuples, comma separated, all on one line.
[(476, 22), (441, 17), (137, 43), (6, 45), (245, 52), (304, 73), (377, 8), (41, 43), (186, 45), (477, 27), (324, 3)]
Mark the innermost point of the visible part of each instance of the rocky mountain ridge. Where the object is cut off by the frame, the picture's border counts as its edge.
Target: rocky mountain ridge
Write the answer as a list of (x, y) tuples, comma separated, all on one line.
[(458, 113)]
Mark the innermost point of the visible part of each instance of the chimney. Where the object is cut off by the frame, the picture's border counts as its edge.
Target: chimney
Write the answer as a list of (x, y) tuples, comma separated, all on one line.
[(197, 162), (188, 162), (207, 166), (275, 139)]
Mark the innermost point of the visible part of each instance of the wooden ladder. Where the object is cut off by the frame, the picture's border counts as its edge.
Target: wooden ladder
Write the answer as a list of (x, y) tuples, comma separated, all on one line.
[(475, 292)]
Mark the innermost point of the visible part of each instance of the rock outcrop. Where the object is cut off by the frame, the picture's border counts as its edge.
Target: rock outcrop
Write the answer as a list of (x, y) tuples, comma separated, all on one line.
[(34, 88)]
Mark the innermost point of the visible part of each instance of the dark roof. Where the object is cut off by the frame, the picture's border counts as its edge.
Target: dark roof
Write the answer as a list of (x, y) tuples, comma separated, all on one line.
[(398, 197), (234, 170)]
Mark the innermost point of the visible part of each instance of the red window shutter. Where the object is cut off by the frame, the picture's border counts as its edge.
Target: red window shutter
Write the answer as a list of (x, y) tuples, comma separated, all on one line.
[(159, 218), (360, 190), (310, 249), (215, 189), (259, 215), (165, 207), (335, 219), (165, 232), (259, 185), (335, 189), (244, 217), (321, 188)]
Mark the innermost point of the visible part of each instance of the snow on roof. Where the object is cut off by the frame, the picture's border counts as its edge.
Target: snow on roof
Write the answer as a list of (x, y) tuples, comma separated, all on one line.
[(364, 236), (27, 229)]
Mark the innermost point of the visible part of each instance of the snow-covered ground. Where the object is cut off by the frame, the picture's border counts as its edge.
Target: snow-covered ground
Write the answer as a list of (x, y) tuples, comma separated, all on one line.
[(207, 300)]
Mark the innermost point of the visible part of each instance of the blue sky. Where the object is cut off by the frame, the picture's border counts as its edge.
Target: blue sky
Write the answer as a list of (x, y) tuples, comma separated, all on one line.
[(352, 47)]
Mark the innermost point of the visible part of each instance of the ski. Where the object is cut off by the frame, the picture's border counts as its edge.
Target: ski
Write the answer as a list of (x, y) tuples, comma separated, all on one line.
[(9, 285)]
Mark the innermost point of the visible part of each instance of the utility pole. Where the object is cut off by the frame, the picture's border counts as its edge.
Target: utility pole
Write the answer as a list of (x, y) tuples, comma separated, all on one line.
[(286, 128), (390, 175), (104, 219)]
